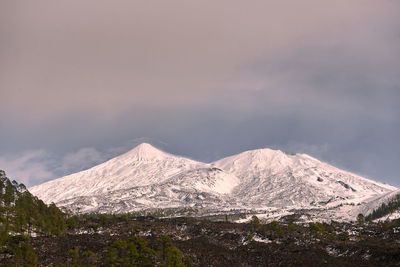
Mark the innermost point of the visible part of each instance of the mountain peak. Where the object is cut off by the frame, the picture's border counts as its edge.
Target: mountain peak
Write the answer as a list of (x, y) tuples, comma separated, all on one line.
[(145, 146), (264, 151), (264, 154), (267, 159), (146, 151)]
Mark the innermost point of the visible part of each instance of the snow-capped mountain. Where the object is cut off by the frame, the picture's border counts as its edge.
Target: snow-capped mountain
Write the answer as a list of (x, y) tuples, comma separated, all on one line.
[(144, 165), (274, 178), (263, 179)]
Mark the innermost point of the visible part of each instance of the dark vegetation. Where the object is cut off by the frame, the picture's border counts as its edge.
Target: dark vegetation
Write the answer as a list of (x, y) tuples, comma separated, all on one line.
[(22, 215), (36, 234), (385, 208), (200, 242), (21, 212)]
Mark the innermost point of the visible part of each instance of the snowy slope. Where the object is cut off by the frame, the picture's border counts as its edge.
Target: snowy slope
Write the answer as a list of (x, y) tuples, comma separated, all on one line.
[(273, 178), (375, 202), (143, 165), (146, 178), (199, 188)]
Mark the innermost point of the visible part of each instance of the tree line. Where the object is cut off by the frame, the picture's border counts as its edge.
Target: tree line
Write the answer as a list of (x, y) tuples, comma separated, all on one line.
[(23, 215), (385, 208), (131, 252)]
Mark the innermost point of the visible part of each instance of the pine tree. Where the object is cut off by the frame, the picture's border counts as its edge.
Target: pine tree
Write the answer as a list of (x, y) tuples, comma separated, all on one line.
[(255, 223), (360, 219)]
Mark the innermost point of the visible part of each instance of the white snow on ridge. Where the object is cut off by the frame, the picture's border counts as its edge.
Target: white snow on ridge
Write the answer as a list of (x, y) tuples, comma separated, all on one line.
[(273, 178), (146, 177), (143, 165)]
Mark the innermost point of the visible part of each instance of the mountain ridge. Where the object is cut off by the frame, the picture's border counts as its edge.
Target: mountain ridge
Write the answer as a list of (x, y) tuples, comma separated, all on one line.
[(146, 177)]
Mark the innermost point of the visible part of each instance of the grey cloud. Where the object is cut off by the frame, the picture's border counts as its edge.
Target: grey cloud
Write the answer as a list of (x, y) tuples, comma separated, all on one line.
[(99, 57), (28, 167), (37, 166), (201, 79), (81, 159)]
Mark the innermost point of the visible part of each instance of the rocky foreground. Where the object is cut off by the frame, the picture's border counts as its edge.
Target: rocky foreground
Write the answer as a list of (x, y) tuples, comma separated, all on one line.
[(209, 243)]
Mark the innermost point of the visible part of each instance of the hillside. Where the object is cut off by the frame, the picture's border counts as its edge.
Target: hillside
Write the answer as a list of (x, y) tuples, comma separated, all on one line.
[(23, 215)]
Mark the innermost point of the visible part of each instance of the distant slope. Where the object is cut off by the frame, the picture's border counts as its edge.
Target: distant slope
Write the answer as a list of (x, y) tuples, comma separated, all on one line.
[(147, 178), (384, 207)]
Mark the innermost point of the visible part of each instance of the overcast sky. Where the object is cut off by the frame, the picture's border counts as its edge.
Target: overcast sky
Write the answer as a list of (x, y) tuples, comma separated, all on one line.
[(82, 81)]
